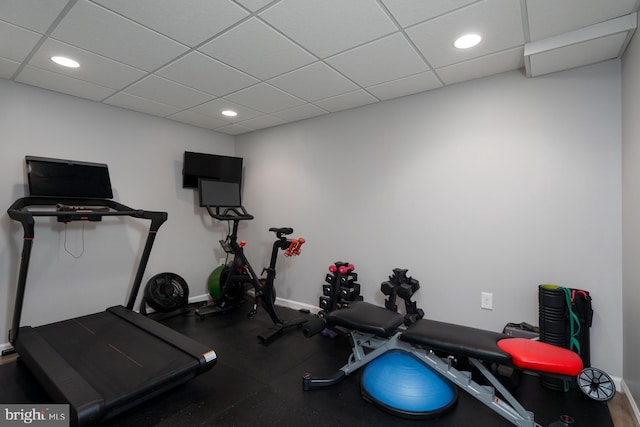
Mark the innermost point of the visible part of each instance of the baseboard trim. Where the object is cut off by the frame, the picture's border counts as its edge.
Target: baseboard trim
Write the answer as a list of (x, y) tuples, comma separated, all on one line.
[(634, 407), (283, 302), (198, 298), (296, 305), (617, 381)]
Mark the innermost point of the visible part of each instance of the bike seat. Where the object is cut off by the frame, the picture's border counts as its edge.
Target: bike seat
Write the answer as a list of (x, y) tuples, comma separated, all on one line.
[(283, 231)]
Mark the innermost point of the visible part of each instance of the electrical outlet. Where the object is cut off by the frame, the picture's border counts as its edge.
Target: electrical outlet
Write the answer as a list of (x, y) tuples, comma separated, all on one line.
[(486, 300), (222, 261)]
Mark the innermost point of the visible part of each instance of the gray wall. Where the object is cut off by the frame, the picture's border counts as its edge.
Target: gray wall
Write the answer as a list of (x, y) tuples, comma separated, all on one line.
[(495, 185), (144, 155), (631, 216)]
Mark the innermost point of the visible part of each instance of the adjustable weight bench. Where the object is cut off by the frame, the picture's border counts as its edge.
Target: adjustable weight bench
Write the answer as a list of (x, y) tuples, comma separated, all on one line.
[(374, 331)]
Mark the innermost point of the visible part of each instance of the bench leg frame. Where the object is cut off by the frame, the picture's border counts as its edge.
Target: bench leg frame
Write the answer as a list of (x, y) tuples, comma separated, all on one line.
[(367, 347)]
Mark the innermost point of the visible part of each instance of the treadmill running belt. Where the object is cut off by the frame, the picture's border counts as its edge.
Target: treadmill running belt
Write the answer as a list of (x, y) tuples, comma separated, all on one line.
[(115, 357), (106, 364)]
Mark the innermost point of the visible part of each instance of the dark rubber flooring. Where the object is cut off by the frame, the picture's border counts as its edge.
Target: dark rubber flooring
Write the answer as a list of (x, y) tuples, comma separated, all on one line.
[(253, 384)]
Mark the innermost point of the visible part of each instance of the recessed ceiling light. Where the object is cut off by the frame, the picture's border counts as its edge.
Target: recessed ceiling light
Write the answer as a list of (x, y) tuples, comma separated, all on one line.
[(65, 62), (467, 41), (229, 113)]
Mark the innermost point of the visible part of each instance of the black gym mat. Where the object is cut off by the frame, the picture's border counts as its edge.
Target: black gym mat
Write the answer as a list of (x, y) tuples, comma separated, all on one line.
[(255, 384)]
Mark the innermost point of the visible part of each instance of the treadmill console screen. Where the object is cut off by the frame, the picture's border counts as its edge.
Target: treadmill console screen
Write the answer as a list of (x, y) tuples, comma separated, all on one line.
[(67, 178)]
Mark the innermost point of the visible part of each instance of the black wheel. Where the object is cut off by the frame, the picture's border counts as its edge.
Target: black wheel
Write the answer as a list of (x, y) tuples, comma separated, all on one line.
[(221, 292), (166, 292), (232, 292), (596, 384)]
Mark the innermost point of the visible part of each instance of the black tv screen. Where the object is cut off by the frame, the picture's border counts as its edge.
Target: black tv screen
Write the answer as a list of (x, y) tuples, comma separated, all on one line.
[(219, 193), (67, 178), (211, 166)]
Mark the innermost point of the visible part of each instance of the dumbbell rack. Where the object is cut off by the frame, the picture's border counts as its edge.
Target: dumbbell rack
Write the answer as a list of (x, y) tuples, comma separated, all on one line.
[(340, 288), (399, 285)]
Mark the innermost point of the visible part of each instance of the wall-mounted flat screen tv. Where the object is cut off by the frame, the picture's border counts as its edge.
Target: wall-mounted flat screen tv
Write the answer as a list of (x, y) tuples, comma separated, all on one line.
[(67, 178), (211, 166), (219, 193)]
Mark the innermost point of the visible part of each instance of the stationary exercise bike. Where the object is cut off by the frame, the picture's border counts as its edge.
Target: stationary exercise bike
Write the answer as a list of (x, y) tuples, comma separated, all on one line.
[(239, 272)]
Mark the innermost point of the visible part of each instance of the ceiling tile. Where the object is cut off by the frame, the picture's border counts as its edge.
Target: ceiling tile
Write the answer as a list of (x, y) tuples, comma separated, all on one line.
[(167, 92), (254, 5), (551, 17), (188, 21), (217, 106), (386, 59), (59, 83), (262, 122), (233, 129), (330, 26), (577, 55), (345, 101), (8, 68), (132, 102), (96, 29), (203, 73), (265, 98), (22, 42), (300, 112), (267, 55), (197, 119), (409, 12), (326, 82), (36, 15), (93, 68), (484, 66), (497, 21), (405, 86)]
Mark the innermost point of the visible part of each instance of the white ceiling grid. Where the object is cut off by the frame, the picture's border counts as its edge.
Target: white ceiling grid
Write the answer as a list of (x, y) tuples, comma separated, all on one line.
[(278, 61)]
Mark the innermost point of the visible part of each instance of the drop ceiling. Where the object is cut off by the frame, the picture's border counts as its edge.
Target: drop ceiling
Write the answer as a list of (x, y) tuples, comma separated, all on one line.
[(282, 61)]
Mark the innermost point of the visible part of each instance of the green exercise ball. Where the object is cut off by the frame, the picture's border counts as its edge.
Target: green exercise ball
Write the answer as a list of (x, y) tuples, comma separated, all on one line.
[(213, 283)]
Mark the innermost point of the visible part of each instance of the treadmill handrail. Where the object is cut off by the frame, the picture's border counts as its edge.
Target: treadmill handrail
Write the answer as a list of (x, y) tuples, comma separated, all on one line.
[(19, 211)]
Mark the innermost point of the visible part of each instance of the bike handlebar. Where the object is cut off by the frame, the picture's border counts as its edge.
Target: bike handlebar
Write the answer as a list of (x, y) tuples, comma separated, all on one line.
[(230, 214)]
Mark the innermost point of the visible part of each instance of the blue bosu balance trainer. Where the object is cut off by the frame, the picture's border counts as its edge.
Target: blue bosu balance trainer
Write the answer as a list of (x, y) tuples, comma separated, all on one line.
[(399, 383)]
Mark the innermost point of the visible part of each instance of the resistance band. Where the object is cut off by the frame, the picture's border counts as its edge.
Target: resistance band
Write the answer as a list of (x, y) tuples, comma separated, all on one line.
[(574, 327)]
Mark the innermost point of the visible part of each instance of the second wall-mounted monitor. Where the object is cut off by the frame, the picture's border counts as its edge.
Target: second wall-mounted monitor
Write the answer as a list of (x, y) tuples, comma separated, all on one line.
[(210, 166)]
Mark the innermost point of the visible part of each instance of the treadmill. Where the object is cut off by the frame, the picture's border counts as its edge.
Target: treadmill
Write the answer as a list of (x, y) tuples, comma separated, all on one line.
[(104, 363)]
